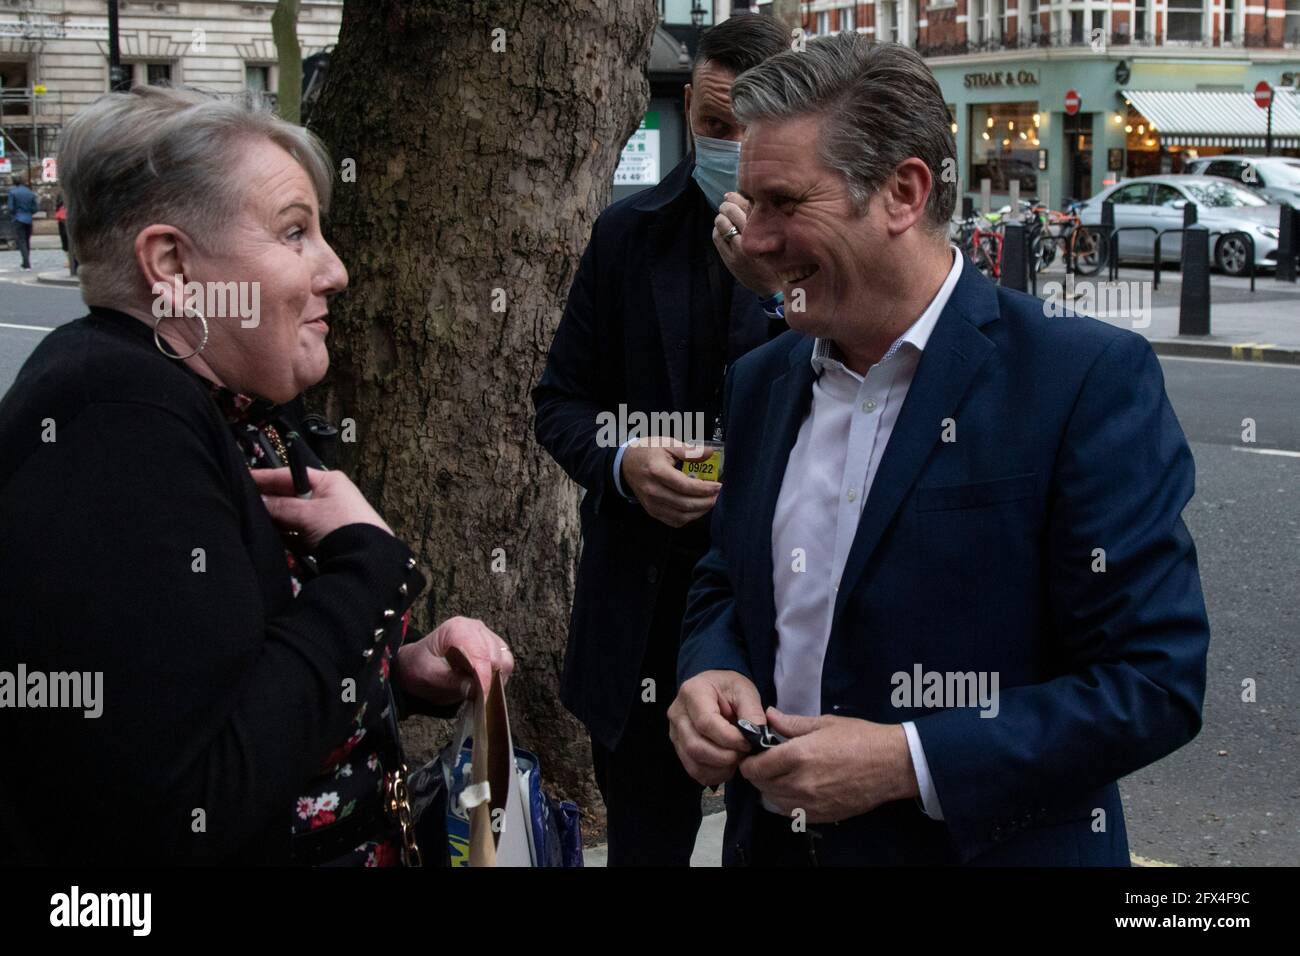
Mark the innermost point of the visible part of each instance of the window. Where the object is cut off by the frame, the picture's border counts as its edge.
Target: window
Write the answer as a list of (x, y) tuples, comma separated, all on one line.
[(846, 20), (979, 32), (158, 74), (1004, 145), (1076, 26), (1224, 195), (1166, 196), (823, 23), (1139, 19), (1229, 14), (1291, 23), (1227, 168), (888, 27), (1186, 20), (257, 79), (1134, 194)]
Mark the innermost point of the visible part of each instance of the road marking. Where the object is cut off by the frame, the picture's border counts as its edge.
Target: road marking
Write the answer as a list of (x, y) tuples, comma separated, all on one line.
[(25, 328), (1267, 451), (1236, 362), (1143, 861)]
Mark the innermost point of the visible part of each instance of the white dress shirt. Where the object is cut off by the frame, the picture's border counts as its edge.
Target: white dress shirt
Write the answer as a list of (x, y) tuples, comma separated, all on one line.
[(827, 482)]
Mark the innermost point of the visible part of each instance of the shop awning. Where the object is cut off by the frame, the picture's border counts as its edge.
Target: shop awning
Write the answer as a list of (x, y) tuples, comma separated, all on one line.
[(1218, 117)]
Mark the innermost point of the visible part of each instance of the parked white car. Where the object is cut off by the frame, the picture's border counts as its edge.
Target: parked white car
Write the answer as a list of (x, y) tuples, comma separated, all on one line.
[(1156, 203)]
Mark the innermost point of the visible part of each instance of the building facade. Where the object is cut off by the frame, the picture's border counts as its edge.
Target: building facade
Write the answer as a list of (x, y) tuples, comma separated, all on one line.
[(1064, 97), (54, 55)]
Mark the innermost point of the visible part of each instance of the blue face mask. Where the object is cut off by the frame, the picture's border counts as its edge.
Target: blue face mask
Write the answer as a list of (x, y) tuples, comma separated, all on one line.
[(717, 167)]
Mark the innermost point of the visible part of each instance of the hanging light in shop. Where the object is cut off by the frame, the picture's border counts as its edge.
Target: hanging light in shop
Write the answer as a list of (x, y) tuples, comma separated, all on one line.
[(1128, 129), (1011, 124), (1150, 141), (1022, 135), (985, 134), (1118, 119), (1006, 142), (954, 129), (990, 122), (1036, 123), (1141, 129)]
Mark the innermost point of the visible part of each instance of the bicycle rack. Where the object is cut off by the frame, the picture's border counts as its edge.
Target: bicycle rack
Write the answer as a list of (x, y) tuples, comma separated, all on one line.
[(1228, 232), (1112, 267), (1250, 240), (1155, 265)]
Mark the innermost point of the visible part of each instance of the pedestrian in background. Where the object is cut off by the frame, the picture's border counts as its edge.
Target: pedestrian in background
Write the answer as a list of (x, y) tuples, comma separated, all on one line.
[(659, 308), (22, 204)]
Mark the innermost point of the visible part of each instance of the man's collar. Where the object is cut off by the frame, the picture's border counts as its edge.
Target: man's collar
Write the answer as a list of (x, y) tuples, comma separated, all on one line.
[(917, 334)]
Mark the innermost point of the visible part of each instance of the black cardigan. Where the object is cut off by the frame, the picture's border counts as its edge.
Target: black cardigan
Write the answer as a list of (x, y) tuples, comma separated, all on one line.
[(221, 691)]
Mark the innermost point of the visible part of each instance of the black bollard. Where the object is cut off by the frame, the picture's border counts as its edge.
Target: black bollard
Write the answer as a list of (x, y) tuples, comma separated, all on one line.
[(967, 207), (1288, 223), (1194, 307), (1107, 228), (1189, 215), (1015, 257)]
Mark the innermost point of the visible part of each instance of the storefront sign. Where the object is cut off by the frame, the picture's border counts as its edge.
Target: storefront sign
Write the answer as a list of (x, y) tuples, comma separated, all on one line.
[(1001, 78), (639, 163)]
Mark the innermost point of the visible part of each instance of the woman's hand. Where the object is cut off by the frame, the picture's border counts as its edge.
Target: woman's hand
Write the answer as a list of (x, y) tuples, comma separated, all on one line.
[(424, 671), (335, 502)]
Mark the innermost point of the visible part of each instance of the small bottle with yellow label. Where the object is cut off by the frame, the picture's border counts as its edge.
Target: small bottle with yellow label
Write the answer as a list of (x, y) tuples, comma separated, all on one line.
[(708, 468)]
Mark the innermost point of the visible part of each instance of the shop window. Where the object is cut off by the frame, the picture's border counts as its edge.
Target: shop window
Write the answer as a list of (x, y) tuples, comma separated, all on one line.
[(1004, 145), (1186, 19)]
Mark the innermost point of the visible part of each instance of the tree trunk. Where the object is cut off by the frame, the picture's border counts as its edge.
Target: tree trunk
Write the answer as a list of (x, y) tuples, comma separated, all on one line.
[(284, 31), (483, 135)]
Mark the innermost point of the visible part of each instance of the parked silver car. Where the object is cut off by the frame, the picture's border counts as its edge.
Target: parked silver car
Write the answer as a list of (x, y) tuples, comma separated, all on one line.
[(1276, 178), (1156, 203)]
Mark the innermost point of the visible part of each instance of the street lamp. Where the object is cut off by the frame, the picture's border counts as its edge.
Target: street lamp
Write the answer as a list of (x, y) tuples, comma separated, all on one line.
[(697, 14)]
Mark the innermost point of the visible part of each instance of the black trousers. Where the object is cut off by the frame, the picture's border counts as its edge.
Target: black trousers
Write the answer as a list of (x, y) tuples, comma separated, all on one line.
[(23, 235), (652, 805)]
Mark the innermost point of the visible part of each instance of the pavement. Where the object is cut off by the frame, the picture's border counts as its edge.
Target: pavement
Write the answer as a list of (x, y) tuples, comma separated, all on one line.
[(1261, 325)]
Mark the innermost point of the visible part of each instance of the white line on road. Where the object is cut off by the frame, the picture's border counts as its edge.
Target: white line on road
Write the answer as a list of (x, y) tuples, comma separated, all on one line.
[(26, 328), (1267, 451)]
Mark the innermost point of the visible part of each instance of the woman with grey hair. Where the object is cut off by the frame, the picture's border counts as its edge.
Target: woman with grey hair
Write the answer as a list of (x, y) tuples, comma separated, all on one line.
[(205, 648)]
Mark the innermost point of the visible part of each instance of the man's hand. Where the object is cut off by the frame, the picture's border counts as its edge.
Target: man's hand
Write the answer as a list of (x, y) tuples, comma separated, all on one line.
[(699, 724), (832, 768), (651, 471), (753, 274), (425, 671)]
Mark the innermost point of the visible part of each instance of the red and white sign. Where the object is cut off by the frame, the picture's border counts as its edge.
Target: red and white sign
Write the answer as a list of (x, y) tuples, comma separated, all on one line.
[(1072, 102), (1263, 94)]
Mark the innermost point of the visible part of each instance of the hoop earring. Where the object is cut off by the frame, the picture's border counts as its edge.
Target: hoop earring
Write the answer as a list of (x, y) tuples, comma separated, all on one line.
[(157, 339)]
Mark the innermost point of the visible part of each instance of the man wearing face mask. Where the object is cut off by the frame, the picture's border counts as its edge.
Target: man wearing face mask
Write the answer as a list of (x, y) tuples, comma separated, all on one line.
[(654, 317)]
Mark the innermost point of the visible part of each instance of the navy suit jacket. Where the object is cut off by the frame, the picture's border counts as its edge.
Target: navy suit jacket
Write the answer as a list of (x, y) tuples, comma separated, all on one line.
[(978, 554), (624, 339)]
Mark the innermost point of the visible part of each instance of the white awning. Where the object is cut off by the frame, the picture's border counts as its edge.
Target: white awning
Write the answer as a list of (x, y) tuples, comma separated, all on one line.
[(1218, 117)]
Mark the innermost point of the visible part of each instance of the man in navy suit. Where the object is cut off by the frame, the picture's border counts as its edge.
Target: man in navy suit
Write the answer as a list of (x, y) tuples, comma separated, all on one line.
[(657, 311), (948, 561)]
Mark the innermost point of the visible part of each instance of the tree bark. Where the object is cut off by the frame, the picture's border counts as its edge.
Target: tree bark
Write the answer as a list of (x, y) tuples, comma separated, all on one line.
[(484, 136), (288, 53)]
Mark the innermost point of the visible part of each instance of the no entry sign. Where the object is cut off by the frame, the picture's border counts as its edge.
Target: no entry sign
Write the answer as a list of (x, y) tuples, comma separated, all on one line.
[(1071, 102), (1263, 95)]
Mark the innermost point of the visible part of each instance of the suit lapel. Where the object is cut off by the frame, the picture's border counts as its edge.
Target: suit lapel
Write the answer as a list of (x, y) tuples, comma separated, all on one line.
[(952, 357), (788, 400)]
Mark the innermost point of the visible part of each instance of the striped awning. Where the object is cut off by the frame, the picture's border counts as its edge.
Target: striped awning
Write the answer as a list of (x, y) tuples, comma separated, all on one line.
[(1218, 117)]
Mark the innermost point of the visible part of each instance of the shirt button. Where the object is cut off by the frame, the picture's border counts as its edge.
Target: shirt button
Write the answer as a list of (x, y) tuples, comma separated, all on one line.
[(852, 495), (868, 405)]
